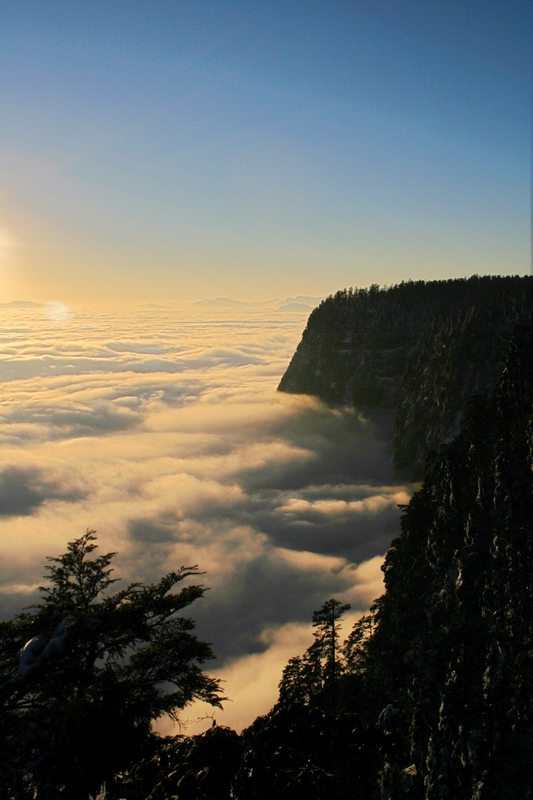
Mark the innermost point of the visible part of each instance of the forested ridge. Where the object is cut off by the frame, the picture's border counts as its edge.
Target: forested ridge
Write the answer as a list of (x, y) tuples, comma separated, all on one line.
[(420, 348), (427, 697)]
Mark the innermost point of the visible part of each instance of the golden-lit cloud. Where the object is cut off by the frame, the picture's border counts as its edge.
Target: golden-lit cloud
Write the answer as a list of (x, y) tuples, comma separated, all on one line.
[(57, 311), (335, 507), (167, 436)]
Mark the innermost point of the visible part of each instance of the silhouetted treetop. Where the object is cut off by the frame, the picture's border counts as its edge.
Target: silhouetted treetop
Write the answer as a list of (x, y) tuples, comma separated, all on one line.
[(85, 672)]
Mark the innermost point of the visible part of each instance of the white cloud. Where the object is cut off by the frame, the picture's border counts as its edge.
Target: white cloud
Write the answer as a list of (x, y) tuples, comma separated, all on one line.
[(57, 311), (253, 680), (370, 505), (168, 437)]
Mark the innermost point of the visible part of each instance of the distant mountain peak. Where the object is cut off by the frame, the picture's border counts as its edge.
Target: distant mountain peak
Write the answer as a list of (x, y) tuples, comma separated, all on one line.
[(295, 307), (221, 302), (21, 304)]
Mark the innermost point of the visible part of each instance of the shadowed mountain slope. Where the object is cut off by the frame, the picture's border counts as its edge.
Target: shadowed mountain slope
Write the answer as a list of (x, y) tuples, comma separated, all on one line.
[(423, 349)]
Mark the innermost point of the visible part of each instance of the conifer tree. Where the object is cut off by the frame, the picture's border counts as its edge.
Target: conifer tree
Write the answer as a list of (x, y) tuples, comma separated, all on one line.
[(326, 645), (85, 672)]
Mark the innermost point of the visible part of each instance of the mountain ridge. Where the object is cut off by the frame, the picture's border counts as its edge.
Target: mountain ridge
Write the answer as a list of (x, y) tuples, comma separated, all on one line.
[(420, 348)]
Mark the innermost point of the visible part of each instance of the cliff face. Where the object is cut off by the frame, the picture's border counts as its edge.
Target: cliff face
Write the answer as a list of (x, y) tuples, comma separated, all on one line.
[(433, 690), (421, 348), (453, 643)]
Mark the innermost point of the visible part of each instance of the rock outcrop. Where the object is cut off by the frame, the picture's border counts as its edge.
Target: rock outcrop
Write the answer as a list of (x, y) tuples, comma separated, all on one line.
[(423, 349)]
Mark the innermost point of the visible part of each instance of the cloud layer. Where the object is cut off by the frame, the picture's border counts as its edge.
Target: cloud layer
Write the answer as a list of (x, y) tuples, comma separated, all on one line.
[(165, 433)]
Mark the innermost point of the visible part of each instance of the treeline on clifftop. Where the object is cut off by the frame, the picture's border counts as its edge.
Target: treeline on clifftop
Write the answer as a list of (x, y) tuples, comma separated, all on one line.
[(421, 348), (427, 698)]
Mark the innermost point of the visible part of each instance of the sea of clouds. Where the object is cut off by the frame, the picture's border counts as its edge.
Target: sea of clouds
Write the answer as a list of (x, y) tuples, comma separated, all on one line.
[(163, 430)]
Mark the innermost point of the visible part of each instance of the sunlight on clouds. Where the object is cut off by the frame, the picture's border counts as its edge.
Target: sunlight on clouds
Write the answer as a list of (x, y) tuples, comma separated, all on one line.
[(240, 416), (222, 550), (368, 582), (188, 493), (312, 562), (370, 505), (167, 436), (19, 588), (57, 311), (253, 679)]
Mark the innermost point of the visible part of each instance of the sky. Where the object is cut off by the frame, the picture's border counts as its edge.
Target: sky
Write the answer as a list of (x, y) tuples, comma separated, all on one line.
[(202, 148), (157, 156), (164, 432)]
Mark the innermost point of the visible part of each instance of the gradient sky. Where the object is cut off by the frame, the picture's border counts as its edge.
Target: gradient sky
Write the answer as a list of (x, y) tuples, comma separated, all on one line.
[(195, 148)]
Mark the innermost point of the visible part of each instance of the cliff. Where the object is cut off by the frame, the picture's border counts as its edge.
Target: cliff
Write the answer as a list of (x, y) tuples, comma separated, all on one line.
[(453, 634), (430, 695), (423, 349)]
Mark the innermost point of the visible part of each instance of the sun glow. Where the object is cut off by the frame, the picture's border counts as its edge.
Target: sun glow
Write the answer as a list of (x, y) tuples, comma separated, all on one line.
[(57, 311), (7, 244)]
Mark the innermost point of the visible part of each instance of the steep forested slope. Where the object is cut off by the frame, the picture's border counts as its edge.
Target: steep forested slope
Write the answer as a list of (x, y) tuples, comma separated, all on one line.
[(434, 684), (453, 642), (420, 348), (429, 697)]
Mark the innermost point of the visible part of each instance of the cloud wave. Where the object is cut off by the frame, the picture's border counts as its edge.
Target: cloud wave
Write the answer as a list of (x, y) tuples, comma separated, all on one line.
[(166, 434)]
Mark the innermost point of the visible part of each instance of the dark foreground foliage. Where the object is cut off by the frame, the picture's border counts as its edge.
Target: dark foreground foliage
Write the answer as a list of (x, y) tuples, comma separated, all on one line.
[(428, 698), (202, 767), (85, 672)]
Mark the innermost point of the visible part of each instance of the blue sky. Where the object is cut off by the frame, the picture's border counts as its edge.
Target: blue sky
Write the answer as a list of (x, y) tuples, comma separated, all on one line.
[(178, 150)]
